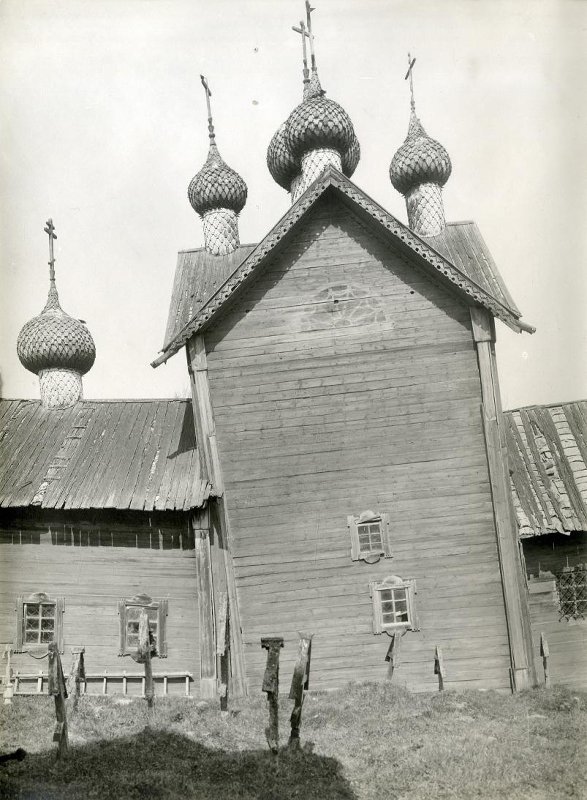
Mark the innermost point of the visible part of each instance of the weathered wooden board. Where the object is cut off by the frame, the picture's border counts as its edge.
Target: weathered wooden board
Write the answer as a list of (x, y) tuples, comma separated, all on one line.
[(343, 382)]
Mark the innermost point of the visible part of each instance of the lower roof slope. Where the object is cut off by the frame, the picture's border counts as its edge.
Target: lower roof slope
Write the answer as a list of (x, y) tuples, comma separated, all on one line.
[(547, 449), (99, 454)]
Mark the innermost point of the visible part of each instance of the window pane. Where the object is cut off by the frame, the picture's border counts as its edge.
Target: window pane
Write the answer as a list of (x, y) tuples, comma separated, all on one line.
[(31, 636), (46, 636), (48, 612), (386, 594)]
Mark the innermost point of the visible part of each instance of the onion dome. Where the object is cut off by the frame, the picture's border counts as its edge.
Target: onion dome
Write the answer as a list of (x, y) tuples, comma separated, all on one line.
[(318, 122), (420, 159), (54, 340), (351, 158), (280, 161), (217, 186)]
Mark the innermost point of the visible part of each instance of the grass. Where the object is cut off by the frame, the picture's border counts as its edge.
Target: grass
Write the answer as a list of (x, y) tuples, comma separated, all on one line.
[(364, 743)]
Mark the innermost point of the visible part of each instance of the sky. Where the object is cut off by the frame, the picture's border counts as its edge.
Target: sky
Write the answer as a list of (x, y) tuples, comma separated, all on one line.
[(103, 124)]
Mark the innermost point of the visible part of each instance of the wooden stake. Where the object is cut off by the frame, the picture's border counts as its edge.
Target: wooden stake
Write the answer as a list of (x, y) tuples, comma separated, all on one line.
[(8, 690), (439, 668), (223, 650), (77, 675), (393, 654), (299, 684), (146, 648), (545, 653), (57, 688), (271, 685)]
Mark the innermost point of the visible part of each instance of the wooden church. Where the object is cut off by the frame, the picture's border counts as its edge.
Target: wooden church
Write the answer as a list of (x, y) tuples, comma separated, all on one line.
[(342, 468)]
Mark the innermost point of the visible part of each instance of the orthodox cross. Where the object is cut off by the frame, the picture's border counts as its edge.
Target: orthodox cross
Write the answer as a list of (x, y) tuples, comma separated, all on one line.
[(50, 229), (310, 35), (304, 34), (411, 62), (208, 96)]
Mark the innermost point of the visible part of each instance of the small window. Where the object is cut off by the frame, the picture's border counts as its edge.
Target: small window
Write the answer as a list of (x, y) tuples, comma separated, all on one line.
[(394, 605), (39, 621), (571, 585), (129, 612), (369, 536)]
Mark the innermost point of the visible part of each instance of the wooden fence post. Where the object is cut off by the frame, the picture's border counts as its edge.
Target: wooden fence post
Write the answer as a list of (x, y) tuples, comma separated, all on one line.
[(271, 685), (545, 653), (57, 688), (439, 668), (8, 690), (299, 684)]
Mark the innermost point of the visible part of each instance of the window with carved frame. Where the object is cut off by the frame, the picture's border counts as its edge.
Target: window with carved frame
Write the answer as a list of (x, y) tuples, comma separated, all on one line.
[(129, 612), (369, 536), (39, 621), (394, 604)]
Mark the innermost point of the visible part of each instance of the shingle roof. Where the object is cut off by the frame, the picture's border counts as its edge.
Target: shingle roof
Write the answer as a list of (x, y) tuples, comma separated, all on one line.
[(476, 279), (123, 454), (463, 245), (198, 275), (547, 449)]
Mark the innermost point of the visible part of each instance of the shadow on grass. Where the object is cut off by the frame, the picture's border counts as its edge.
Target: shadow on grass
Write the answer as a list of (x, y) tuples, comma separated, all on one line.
[(161, 766)]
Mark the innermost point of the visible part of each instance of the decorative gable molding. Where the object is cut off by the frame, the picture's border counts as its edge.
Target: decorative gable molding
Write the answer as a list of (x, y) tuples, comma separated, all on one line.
[(413, 244)]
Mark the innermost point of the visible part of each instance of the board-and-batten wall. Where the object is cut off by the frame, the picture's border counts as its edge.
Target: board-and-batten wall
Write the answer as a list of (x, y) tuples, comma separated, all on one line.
[(347, 380), (93, 565)]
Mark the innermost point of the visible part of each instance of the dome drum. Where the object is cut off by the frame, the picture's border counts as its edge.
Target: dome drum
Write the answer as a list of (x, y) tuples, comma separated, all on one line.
[(220, 231), (60, 388), (426, 209), (314, 162)]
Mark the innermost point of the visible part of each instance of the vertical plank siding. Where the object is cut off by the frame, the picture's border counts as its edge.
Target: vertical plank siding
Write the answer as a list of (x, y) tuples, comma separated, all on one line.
[(93, 565), (345, 381)]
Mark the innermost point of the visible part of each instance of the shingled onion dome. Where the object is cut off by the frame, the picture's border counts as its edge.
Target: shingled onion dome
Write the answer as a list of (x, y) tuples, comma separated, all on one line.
[(280, 160), (419, 170), (56, 347), (218, 194), (318, 132)]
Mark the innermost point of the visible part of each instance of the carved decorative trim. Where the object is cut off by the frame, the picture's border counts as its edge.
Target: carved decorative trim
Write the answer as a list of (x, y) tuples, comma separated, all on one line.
[(331, 177)]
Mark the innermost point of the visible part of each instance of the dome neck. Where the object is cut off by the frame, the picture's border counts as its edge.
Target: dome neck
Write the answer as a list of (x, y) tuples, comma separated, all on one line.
[(425, 209), (60, 388)]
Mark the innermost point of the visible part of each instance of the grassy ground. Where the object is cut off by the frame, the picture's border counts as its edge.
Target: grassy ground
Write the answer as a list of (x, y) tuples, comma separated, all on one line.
[(369, 742)]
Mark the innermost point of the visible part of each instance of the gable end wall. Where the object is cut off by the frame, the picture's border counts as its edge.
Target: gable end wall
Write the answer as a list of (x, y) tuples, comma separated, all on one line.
[(346, 380)]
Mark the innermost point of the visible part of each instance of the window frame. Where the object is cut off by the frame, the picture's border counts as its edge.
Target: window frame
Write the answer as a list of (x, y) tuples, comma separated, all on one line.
[(394, 582), (146, 602), (40, 599), (566, 584), (366, 518)]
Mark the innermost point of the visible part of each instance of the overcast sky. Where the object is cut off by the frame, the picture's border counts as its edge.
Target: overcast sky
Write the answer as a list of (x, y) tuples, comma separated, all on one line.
[(104, 124)]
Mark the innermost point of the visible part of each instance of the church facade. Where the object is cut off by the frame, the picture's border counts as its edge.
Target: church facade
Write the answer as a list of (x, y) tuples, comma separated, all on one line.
[(342, 467)]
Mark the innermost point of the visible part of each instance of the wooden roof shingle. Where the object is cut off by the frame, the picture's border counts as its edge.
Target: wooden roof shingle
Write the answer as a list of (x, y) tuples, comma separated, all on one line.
[(547, 449), (98, 454)]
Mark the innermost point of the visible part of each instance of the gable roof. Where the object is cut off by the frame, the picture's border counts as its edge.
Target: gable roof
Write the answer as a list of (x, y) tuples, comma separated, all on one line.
[(547, 450), (122, 454), (474, 290), (198, 275), (462, 244)]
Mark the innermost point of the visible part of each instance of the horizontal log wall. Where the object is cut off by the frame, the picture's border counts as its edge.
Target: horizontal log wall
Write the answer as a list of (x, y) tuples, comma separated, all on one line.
[(346, 380), (94, 564)]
